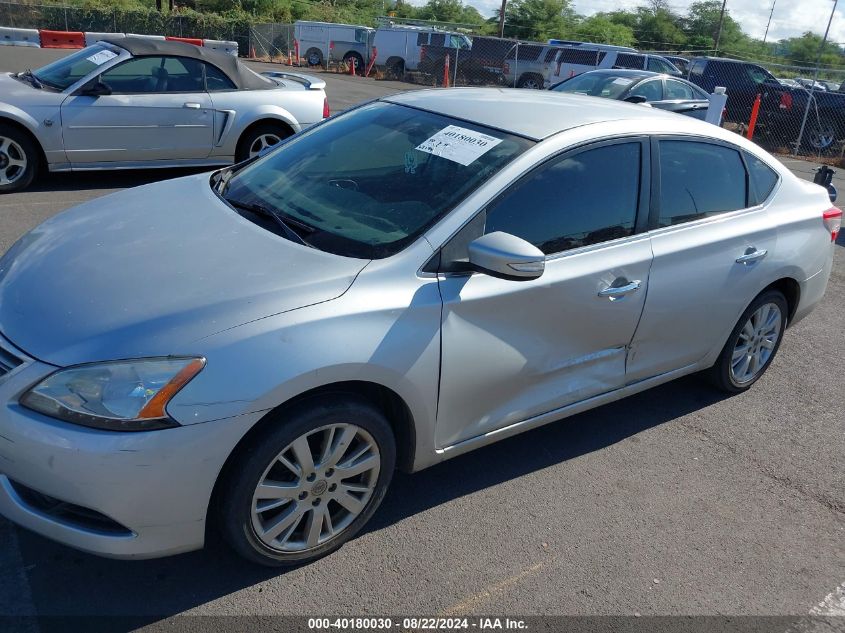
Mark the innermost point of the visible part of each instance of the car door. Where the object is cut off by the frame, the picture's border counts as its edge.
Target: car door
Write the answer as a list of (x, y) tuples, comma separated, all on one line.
[(681, 98), (710, 240), (513, 350), (158, 109)]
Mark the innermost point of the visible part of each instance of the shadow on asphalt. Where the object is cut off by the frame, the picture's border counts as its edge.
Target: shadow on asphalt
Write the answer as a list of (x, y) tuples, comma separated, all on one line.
[(66, 582)]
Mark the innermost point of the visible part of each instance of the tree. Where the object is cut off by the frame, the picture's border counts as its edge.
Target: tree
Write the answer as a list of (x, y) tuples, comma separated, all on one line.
[(539, 20), (702, 22), (805, 50), (598, 28)]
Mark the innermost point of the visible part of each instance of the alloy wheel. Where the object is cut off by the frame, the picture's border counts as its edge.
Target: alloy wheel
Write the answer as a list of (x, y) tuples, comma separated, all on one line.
[(315, 488), (262, 142), (13, 161), (756, 343)]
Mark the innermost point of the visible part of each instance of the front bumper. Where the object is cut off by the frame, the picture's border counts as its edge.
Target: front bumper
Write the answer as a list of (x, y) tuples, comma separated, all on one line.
[(156, 484)]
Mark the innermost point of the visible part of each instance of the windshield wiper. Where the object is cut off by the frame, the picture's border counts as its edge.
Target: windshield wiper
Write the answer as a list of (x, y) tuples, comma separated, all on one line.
[(32, 78), (287, 224)]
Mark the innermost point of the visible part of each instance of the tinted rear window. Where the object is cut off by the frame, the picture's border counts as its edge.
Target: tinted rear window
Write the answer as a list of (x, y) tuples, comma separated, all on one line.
[(525, 52), (698, 180), (580, 56), (763, 179)]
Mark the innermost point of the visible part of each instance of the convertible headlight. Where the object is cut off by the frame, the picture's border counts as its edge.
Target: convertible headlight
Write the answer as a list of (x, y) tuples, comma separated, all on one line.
[(128, 395)]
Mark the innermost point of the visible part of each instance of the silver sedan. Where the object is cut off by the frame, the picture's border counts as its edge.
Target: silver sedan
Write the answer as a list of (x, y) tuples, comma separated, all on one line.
[(258, 349), (137, 103)]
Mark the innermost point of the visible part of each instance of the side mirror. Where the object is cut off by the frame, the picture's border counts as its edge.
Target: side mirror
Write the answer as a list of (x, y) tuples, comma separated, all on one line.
[(506, 256), (96, 89), (636, 99)]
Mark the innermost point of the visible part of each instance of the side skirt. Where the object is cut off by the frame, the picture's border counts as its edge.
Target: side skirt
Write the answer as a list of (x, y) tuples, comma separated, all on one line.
[(564, 412)]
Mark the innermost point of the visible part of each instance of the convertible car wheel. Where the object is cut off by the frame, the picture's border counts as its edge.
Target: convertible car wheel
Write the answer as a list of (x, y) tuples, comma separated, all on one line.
[(18, 159), (309, 483), (259, 139)]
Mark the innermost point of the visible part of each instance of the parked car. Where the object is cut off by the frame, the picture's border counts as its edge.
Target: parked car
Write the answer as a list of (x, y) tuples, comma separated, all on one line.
[(135, 103), (325, 41), (399, 47), (810, 83), (538, 67), (292, 329), (681, 63), (640, 86), (782, 108), (791, 83)]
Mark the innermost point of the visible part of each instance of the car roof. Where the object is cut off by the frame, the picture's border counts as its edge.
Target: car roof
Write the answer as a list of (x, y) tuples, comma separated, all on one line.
[(622, 72), (240, 75), (534, 114)]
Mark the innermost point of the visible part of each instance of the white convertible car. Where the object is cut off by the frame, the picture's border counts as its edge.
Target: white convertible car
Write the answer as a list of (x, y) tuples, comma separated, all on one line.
[(137, 103)]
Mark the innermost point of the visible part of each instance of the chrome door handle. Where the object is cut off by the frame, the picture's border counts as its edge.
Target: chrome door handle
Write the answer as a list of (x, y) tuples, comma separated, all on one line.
[(192, 106), (753, 256), (612, 292)]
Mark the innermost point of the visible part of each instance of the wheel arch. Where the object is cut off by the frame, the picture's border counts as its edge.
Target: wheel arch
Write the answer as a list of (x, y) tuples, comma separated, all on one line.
[(791, 290), (385, 399), (22, 127), (275, 119)]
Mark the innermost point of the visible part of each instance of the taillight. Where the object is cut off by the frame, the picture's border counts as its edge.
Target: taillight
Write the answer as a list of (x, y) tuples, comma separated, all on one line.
[(506, 68), (785, 101), (326, 112), (833, 222)]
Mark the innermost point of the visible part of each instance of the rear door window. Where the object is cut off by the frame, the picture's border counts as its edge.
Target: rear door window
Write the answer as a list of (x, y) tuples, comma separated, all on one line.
[(630, 60), (699, 180), (678, 90)]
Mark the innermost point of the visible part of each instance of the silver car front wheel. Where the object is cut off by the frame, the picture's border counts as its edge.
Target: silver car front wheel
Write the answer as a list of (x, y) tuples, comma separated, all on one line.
[(18, 159), (263, 142), (306, 480), (315, 488)]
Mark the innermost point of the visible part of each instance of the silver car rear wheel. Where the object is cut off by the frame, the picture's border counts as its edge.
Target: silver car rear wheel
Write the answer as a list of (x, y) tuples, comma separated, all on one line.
[(262, 142), (756, 343), (315, 488)]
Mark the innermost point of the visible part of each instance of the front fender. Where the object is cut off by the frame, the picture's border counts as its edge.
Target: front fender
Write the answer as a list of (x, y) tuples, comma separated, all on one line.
[(49, 137)]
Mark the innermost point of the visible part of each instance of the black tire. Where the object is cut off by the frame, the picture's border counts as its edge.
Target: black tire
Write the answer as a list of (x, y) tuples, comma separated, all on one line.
[(530, 81), (314, 57), (356, 60), (17, 146), (396, 69), (720, 373), (235, 492), (252, 135), (821, 135)]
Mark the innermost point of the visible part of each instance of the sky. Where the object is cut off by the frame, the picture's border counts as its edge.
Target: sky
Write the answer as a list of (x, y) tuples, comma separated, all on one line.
[(791, 17)]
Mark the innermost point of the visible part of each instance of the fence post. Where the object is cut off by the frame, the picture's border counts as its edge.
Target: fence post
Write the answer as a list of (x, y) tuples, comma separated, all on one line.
[(455, 72), (65, 13), (516, 65)]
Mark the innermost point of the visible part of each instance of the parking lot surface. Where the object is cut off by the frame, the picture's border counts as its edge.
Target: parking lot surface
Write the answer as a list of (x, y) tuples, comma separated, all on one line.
[(677, 501)]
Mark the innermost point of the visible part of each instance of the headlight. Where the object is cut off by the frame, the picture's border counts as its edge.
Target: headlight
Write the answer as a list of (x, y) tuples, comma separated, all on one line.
[(128, 395)]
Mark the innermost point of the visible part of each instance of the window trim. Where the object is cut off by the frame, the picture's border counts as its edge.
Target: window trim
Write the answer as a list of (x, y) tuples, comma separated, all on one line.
[(654, 205), (433, 264)]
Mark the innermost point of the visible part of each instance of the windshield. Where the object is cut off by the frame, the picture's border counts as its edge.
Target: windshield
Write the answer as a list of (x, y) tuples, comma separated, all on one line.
[(368, 183), (65, 72), (596, 85)]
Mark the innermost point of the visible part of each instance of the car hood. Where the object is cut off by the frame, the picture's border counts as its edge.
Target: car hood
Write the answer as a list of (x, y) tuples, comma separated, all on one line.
[(23, 93), (149, 272)]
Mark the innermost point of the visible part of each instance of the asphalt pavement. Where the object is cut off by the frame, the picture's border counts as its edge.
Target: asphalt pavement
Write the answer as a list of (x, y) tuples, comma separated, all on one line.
[(677, 501)]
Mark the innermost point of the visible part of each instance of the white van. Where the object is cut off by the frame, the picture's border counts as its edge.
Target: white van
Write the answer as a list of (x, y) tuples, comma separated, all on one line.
[(322, 42), (398, 47)]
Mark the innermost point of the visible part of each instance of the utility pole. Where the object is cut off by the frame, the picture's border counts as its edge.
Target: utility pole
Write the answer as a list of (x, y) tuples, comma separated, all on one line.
[(810, 97), (502, 18), (769, 23), (719, 31)]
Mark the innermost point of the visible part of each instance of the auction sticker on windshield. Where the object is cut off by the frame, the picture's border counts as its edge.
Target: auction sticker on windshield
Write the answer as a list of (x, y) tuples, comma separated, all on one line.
[(101, 58), (459, 144)]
